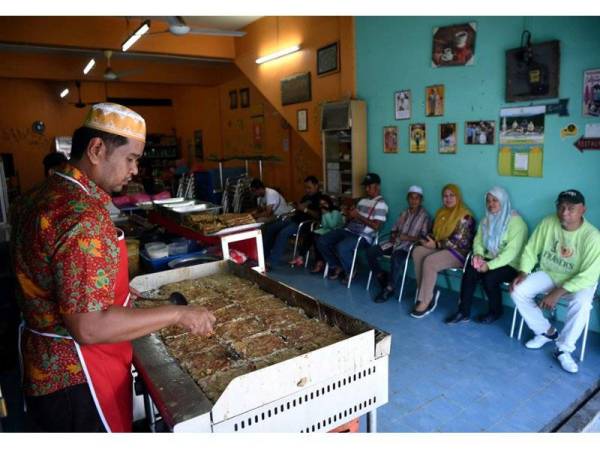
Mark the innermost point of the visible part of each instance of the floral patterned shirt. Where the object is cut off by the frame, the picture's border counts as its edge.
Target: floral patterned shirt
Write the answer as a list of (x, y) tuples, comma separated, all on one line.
[(66, 254)]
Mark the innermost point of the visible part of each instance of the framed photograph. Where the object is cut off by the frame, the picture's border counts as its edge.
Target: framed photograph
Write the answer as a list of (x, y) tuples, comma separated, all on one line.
[(418, 138), (402, 102), (390, 139), (532, 72), (591, 92), (302, 120), (295, 89), (447, 138), (328, 59), (480, 132), (233, 100), (244, 98), (454, 45), (434, 100)]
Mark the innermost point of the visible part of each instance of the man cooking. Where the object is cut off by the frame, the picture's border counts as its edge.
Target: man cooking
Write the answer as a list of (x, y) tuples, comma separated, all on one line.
[(71, 266)]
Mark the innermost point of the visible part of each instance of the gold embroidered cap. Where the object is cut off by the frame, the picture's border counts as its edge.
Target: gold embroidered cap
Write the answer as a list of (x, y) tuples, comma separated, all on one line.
[(116, 119)]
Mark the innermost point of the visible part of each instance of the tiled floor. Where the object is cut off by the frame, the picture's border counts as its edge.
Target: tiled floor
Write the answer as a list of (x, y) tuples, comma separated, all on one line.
[(460, 378)]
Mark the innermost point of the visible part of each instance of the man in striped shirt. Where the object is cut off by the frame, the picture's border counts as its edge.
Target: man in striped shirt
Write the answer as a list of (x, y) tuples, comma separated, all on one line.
[(412, 224), (337, 246)]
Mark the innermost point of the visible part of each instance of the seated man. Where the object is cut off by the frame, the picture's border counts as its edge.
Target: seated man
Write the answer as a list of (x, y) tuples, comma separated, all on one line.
[(278, 234), (567, 248), (337, 246), (413, 223), (52, 161), (271, 203)]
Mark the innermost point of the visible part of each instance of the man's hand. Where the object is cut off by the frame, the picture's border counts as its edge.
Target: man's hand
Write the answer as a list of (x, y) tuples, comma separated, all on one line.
[(353, 213), (518, 280), (551, 299), (197, 319), (134, 294)]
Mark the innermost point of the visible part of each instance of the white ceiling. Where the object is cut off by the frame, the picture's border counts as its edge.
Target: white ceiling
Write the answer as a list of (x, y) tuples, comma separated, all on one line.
[(221, 22)]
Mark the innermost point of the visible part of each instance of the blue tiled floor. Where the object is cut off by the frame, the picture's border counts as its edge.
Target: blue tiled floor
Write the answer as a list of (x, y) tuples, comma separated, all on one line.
[(461, 378)]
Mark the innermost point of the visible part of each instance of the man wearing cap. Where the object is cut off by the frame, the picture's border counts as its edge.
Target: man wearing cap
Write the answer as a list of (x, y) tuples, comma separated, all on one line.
[(337, 246), (73, 287), (412, 224), (567, 248)]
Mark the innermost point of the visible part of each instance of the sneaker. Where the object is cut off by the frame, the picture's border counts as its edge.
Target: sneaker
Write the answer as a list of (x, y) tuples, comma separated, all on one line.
[(337, 273), (540, 340), (455, 318), (566, 361)]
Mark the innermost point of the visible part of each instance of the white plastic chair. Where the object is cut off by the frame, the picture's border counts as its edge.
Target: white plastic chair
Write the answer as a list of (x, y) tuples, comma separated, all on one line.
[(553, 315), (300, 225), (352, 268)]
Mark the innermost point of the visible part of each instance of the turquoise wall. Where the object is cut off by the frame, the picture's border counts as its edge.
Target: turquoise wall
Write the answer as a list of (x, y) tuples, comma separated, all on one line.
[(394, 53)]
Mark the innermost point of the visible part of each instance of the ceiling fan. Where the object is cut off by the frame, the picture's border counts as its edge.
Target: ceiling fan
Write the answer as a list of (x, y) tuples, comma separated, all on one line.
[(110, 74), (178, 27)]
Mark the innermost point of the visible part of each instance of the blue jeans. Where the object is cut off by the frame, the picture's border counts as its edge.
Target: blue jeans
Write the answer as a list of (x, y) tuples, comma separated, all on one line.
[(277, 236), (337, 248)]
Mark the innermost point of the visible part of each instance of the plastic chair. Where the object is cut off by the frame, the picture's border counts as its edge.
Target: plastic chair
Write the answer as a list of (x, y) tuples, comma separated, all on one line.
[(300, 225), (371, 272), (553, 317), (356, 247)]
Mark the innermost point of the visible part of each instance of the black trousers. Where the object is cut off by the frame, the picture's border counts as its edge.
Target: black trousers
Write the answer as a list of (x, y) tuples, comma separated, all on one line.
[(70, 410), (491, 282)]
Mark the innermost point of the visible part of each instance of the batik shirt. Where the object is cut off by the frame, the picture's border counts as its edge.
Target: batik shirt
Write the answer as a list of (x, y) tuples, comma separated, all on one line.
[(66, 256)]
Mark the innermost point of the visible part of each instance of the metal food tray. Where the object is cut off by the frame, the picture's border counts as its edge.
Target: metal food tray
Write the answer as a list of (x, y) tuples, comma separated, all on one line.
[(314, 392), (178, 213)]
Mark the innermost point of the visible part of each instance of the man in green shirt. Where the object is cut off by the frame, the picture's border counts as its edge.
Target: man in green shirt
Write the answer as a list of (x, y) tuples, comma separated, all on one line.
[(567, 248)]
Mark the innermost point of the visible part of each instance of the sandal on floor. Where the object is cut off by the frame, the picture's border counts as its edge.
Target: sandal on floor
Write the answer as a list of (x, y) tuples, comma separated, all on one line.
[(319, 266)]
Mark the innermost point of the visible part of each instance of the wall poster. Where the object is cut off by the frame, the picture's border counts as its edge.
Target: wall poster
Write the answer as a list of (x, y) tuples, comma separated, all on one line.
[(521, 141)]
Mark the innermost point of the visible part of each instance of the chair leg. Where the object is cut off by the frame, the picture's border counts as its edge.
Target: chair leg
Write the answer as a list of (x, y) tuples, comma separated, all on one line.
[(295, 247), (521, 328), (369, 279), (326, 271), (585, 334), (403, 278), (306, 258), (514, 322), (352, 266)]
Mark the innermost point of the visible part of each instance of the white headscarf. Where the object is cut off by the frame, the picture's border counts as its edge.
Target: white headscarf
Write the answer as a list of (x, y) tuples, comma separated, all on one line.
[(494, 226)]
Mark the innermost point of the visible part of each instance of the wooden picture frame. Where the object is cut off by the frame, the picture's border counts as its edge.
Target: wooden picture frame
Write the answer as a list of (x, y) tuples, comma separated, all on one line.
[(233, 100), (480, 132), (328, 59), (390, 139), (198, 145), (245, 98), (402, 104), (532, 72), (296, 89), (302, 120), (454, 45), (417, 138), (434, 100), (447, 140)]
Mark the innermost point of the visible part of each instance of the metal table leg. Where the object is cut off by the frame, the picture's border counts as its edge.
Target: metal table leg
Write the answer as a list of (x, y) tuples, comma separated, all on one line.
[(372, 421)]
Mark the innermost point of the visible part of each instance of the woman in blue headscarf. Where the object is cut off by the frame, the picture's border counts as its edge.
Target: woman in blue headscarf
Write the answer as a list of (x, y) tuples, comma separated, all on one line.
[(496, 250)]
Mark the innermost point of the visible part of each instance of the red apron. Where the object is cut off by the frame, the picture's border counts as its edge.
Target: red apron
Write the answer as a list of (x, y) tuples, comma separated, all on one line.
[(107, 367)]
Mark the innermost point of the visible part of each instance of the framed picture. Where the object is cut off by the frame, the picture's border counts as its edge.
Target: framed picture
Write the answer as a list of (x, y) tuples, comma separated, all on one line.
[(591, 92), (402, 102), (233, 100), (454, 45), (244, 98), (295, 89), (328, 59), (447, 138), (532, 72), (390, 139), (302, 120), (480, 132), (434, 100), (418, 138)]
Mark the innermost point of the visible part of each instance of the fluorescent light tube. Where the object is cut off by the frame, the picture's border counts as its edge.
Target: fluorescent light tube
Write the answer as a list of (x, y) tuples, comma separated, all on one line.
[(279, 54), (64, 93), (143, 29), (89, 66)]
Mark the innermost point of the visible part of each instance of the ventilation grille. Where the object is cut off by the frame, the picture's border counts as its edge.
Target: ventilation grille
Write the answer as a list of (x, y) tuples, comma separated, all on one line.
[(249, 422)]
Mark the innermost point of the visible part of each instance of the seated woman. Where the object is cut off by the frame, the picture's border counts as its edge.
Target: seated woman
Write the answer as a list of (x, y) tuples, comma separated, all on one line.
[(496, 251), (453, 229), (331, 218)]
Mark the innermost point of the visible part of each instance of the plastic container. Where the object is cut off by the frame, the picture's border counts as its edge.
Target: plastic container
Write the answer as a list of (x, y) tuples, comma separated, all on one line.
[(155, 265), (157, 250), (178, 247)]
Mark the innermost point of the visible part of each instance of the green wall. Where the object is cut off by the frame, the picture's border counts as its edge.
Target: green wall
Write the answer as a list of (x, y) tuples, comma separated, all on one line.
[(394, 53)]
